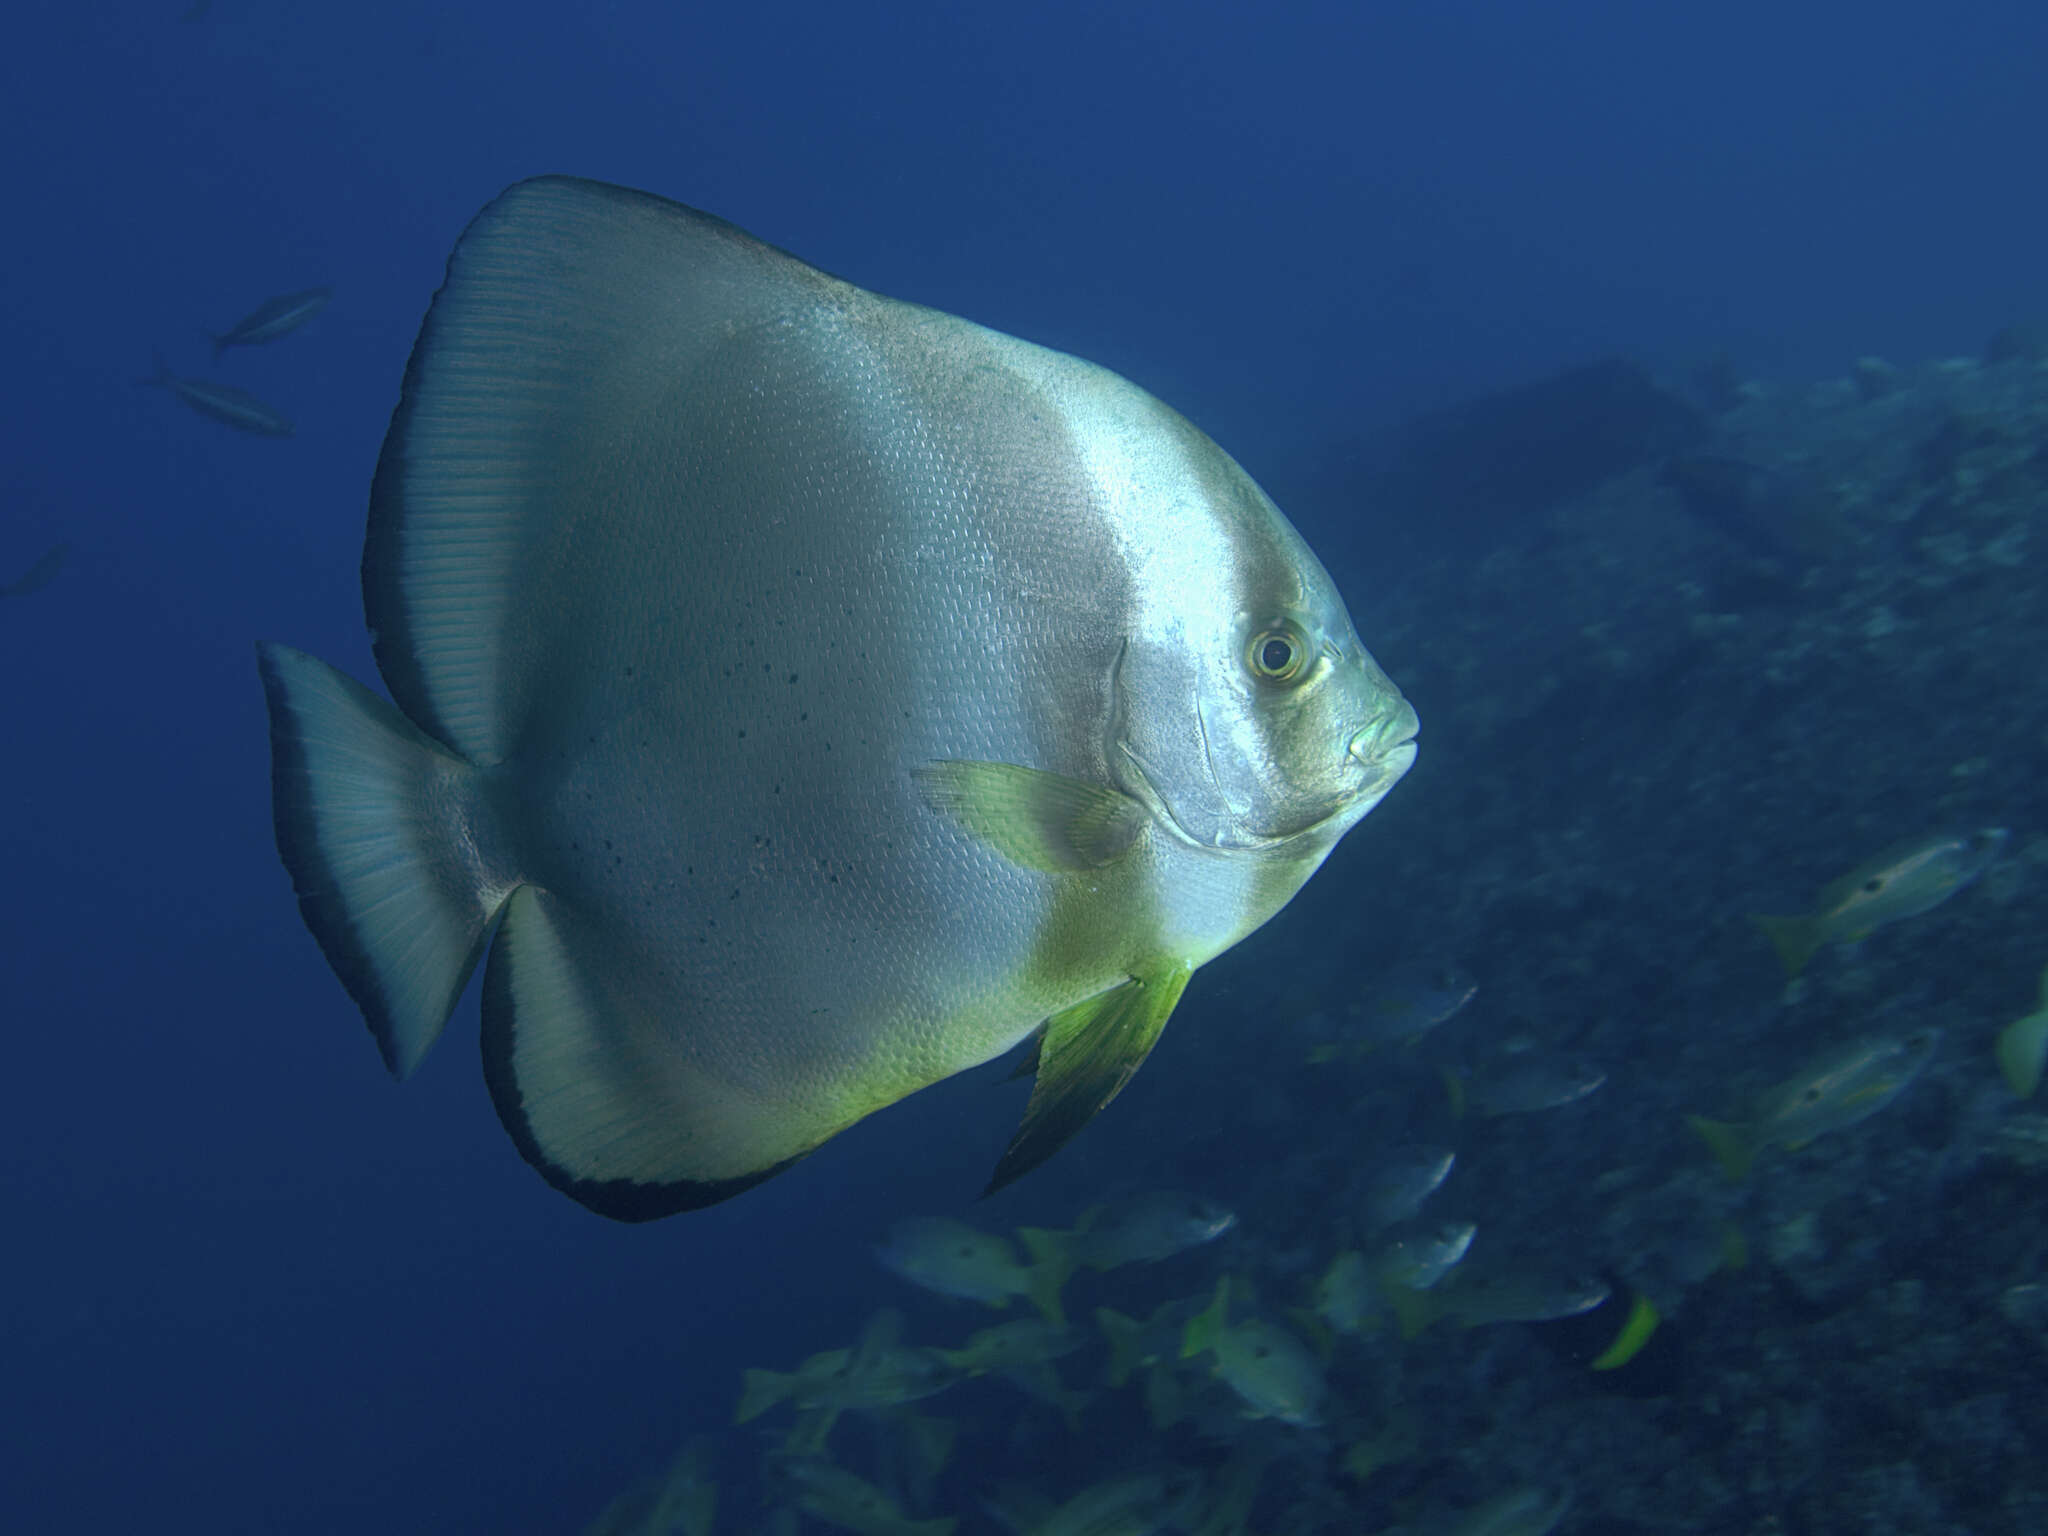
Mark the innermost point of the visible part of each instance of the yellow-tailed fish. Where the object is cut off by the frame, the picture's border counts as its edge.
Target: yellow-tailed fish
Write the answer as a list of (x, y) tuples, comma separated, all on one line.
[(1136, 1504), (841, 1499), (1027, 1341), (1135, 1229), (1498, 1295), (1905, 880), (683, 1501), (1273, 1373), (879, 1372), (1837, 1089), (804, 697), (954, 1259), (2023, 1048)]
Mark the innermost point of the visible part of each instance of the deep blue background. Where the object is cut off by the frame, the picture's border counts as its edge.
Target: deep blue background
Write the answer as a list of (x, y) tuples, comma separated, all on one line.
[(247, 1283)]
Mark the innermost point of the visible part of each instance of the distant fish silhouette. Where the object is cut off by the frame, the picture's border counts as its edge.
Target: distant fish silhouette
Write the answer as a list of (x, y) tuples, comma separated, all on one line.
[(271, 319), (223, 402), (40, 574)]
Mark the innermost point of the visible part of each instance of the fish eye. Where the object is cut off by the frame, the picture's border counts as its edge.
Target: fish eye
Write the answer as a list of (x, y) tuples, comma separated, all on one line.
[(1873, 885), (1277, 654)]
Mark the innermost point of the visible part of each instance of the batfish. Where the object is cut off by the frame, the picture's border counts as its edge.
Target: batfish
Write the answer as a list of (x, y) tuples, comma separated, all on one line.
[(803, 696)]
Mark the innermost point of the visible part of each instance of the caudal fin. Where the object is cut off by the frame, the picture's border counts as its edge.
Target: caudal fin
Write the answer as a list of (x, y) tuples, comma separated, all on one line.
[(389, 846), (2022, 1051), (760, 1391), (1794, 938), (1733, 1146), (1051, 1265)]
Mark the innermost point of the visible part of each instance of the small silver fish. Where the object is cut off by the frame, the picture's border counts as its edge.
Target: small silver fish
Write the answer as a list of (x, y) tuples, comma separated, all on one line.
[(1527, 1082), (1137, 1229), (223, 403), (1402, 1180), (271, 319), (1418, 1261), (1407, 1003), (1517, 1296)]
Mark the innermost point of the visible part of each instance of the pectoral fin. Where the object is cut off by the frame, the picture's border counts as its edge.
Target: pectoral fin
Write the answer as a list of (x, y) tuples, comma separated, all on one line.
[(1043, 821), (1086, 1054)]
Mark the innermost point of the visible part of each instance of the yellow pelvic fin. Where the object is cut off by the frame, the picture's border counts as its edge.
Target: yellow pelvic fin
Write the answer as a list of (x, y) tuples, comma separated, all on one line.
[(1795, 939), (1731, 1143), (1635, 1333), (1089, 1052), (1043, 821), (2022, 1050)]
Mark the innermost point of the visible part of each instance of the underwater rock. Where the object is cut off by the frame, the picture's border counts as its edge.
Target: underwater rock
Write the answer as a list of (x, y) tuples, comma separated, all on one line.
[(1476, 471)]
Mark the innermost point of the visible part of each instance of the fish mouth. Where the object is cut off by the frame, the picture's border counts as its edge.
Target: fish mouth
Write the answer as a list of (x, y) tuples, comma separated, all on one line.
[(1386, 748)]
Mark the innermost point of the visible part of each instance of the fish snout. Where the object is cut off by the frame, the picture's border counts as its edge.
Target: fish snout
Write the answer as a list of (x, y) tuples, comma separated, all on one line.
[(1387, 744)]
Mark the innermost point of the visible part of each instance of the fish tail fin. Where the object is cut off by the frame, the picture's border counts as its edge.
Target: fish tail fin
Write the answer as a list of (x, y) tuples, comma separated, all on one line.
[(2022, 1052), (220, 341), (1730, 1142), (1206, 1326), (1125, 1335), (1309, 1323), (1454, 1091), (368, 810), (760, 1391), (808, 1436), (1794, 938), (1051, 1265), (1413, 1310)]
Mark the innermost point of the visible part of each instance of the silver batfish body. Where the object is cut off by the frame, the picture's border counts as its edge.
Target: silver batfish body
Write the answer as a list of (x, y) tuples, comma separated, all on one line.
[(804, 696)]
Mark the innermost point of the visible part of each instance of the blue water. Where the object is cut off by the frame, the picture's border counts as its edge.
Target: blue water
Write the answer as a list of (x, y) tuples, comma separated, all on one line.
[(248, 1283)]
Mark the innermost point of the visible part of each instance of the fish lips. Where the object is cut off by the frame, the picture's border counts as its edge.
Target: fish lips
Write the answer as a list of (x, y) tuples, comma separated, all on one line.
[(1386, 748)]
